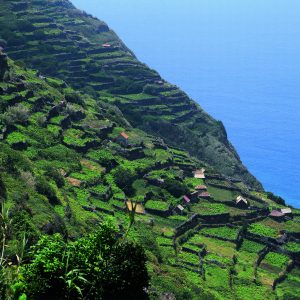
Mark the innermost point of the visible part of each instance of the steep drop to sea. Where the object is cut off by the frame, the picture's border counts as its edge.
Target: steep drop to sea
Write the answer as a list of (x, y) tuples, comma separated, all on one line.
[(238, 59)]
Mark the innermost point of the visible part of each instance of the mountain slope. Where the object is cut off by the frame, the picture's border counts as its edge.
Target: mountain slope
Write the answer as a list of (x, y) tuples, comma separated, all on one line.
[(65, 168), (64, 42)]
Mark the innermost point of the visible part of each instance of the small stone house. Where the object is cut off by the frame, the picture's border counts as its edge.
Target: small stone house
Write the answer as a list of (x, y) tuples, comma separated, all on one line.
[(286, 211), (276, 215), (199, 174), (122, 138), (241, 202), (179, 209)]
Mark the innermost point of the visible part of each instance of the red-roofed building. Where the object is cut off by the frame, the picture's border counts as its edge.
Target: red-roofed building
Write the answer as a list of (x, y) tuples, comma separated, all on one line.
[(123, 138), (276, 214)]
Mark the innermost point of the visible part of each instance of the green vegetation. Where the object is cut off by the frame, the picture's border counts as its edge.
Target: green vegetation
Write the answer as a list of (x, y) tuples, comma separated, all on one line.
[(293, 247), (222, 232), (276, 259), (157, 205), (263, 230), (96, 266), (43, 40), (63, 173), (251, 246)]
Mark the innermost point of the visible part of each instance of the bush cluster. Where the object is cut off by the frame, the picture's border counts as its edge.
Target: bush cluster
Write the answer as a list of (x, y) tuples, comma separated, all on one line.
[(99, 266)]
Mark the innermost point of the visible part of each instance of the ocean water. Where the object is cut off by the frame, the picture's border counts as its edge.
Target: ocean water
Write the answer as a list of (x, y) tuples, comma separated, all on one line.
[(238, 59)]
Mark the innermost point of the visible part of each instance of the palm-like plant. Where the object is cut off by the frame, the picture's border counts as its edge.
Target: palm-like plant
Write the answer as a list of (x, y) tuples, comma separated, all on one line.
[(5, 227)]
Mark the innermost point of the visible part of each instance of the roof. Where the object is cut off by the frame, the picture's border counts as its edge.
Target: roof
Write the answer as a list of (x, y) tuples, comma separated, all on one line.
[(204, 194), (199, 174), (186, 199), (201, 187), (276, 213), (124, 135), (286, 210), (180, 207), (106, 45), (241, 199)]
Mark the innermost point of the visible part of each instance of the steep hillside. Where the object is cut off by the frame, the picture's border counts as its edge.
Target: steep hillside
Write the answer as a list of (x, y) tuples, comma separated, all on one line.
[(64, 42), (68, 162)]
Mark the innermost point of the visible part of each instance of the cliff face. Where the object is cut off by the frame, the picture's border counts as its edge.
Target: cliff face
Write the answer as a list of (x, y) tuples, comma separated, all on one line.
[(67, 43)]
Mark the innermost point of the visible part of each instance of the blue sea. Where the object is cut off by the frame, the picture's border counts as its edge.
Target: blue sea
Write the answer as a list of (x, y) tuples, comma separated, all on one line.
[(240, 60)]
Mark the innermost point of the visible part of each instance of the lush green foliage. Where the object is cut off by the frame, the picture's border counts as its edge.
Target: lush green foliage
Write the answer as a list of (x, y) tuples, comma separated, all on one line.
[(95, 267), (157, 205), (261, 229), (222, 232), (62, 171)]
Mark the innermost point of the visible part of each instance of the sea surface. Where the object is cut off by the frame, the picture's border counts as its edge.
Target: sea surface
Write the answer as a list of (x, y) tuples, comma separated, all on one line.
[(240, 60)]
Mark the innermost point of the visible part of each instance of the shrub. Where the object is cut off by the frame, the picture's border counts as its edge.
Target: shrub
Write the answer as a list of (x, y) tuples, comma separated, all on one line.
[(74, 97), (44, 188), (55, 175), (3, 193), (99, 266), (28, 179), (175, 188), (17, 114), (293, 247), (276, 199), (276, 259), (151, 89), (124, 179)]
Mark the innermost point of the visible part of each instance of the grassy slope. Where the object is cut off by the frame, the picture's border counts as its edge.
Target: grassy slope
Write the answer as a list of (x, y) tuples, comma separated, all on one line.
[(89, 159), (64, 42)]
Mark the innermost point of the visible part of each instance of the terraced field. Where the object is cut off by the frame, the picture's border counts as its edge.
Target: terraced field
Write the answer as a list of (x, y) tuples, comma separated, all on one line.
[(70, 160), (61, 41)]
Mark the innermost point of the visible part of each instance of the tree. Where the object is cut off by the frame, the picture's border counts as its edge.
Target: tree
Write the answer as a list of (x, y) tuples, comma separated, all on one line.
[(124, 179), (175, 188), (99, 266), (43, 187), (17, 114)]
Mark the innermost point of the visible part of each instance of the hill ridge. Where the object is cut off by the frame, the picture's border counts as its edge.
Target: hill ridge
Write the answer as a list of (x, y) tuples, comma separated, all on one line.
[(86, 53)]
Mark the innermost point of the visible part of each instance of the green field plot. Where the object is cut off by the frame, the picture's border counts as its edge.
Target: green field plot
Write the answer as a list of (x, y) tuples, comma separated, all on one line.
[(214, 245), (157, 205), (221, 194), (263, 230), (222, 232), (208, 208)]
